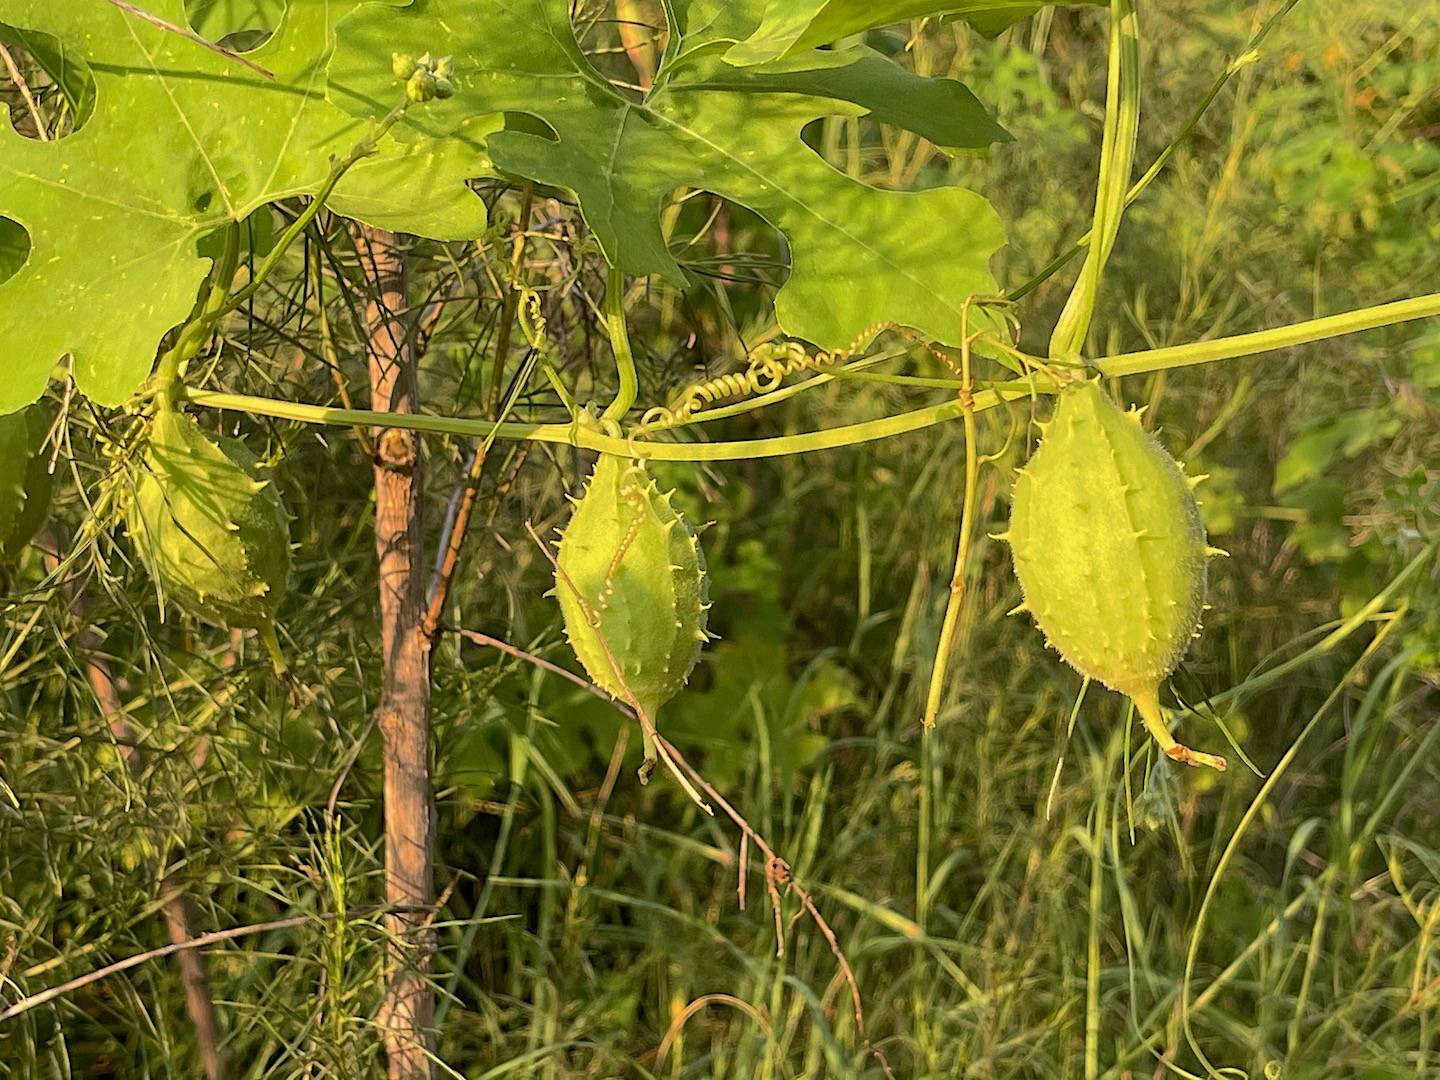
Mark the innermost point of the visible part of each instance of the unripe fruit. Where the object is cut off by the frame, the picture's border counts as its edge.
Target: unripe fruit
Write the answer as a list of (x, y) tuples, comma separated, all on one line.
[(1110, 552), (25, 480), (209, 525), (630, 577)]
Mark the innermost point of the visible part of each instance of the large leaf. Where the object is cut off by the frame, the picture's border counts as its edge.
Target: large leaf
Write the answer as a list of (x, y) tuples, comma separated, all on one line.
[(181, 140), (942, 110), (859, 256), (791, 26)]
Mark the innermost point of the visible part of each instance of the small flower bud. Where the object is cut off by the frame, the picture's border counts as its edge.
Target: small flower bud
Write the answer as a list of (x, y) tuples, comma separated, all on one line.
[(444, 88), (444, 67), (420, 87), (402, 64)]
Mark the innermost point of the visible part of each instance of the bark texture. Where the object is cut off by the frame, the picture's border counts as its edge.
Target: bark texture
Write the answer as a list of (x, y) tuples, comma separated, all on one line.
[(408, 1011)]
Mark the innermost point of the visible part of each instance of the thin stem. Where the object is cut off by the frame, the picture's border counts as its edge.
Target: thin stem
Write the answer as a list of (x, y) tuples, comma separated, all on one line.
[(777, 873), (199, 1002), (1261, 341), (21, 85), (1255, 683), (590, 439), (461, 525), (1204, 352), (962, 554), (943, 647), (620, 343), (477, 638), (215, 937), (455, 540), (512, 302), (338, 168), (191, 36)]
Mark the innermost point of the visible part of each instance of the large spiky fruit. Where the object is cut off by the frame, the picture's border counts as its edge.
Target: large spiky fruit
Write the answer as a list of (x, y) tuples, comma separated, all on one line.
[(1110, 551), (630, 577), (25, 480), (209, 525)]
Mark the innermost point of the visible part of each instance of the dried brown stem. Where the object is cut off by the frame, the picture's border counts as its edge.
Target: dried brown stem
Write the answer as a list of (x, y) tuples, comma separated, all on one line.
[(406, 1015), (190, 35), (777, 874), (215, 937), (477, 638), (13, 69), (440, 592), (777, 870), (198, 1001)]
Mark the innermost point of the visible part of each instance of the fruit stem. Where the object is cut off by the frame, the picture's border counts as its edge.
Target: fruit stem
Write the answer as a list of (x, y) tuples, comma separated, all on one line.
[(620, 344), (1147, 703), (194, 334)]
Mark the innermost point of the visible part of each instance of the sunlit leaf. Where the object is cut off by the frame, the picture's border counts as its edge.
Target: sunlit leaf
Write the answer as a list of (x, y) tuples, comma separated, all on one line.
[(790, 26), (859, 256), (180, 141)]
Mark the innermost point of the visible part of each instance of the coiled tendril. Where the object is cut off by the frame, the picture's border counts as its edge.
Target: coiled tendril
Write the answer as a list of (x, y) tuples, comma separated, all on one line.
[(767, 367)]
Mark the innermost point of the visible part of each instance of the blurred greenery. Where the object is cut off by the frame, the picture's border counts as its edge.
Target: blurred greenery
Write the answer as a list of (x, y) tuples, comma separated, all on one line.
[(591, 926)]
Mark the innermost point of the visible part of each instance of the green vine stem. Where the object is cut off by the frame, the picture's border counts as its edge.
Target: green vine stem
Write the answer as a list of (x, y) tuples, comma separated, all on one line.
[(1175, 356), (219, 301), (193, 335), (620, 345), (1117, 158), (338, 168)]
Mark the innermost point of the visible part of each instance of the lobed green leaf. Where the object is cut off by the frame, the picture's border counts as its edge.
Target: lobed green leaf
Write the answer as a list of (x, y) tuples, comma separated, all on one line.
[(180, 141), (859, 256)]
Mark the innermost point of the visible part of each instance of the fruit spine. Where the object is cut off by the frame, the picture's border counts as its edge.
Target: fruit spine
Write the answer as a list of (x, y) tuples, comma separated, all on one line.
[(1111, 553), (630, 578)]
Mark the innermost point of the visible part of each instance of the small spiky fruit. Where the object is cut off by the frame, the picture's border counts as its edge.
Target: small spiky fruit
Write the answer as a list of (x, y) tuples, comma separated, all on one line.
[(630, 577), (210, 526), (1110, 551), (25, 480)]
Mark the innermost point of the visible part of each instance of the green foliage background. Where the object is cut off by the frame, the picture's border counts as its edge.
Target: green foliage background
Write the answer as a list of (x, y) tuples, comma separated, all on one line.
[(585, 913)]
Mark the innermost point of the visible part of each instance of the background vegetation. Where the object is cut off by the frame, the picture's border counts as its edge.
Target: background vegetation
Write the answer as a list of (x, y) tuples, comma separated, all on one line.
[(1047, 922)]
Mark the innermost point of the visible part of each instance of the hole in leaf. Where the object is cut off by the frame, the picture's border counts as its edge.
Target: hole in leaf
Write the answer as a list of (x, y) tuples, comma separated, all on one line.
[(14, 248), (529, 124), (882, 155), (238, 25), (715, 238), (49, 93), (624, 40)]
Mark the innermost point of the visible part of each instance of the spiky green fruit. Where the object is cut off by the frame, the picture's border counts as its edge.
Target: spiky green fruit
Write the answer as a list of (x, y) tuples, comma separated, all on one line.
[(630, 577), (1110, 551), (209, 525), (25, 480)]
